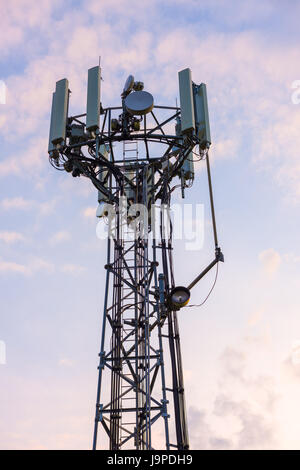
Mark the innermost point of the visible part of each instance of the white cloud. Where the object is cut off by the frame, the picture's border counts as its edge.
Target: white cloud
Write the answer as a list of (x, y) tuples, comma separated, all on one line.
[(291, 364), (270, 260), (11, 237), (15, 30), (254, 404), (39, 264), (60, 237), (9, 167), (255, 317), (65, 362), (16, 203), (73, 269), (19, 203), (30, 161), (291, 258), (34, 265), (244, 405), (11, 267), (89, 212), (256, 430), (227, 148)]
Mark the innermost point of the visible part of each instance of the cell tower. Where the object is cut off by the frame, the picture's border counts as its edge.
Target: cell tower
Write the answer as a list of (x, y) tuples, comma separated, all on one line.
[(132, 158)]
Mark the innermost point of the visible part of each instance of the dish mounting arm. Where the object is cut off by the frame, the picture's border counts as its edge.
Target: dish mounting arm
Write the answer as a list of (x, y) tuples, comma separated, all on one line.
[(218, 253)]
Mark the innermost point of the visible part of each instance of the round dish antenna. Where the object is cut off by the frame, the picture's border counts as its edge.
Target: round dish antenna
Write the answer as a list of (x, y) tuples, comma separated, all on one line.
[(139, 103), (179, 297), (128, 86)]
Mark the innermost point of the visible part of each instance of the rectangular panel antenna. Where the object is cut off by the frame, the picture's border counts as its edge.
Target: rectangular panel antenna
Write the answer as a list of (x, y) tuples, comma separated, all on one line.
[(201, 115), (51, 148), (93, 99), (60, 111), (186, 101)]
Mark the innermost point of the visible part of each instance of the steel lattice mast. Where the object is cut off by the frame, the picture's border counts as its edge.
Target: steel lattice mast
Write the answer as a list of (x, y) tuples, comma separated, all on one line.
[(138, 320), (140, 368)]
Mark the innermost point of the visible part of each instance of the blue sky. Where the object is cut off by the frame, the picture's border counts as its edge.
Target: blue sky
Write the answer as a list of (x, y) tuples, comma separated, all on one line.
[(242, 378)]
